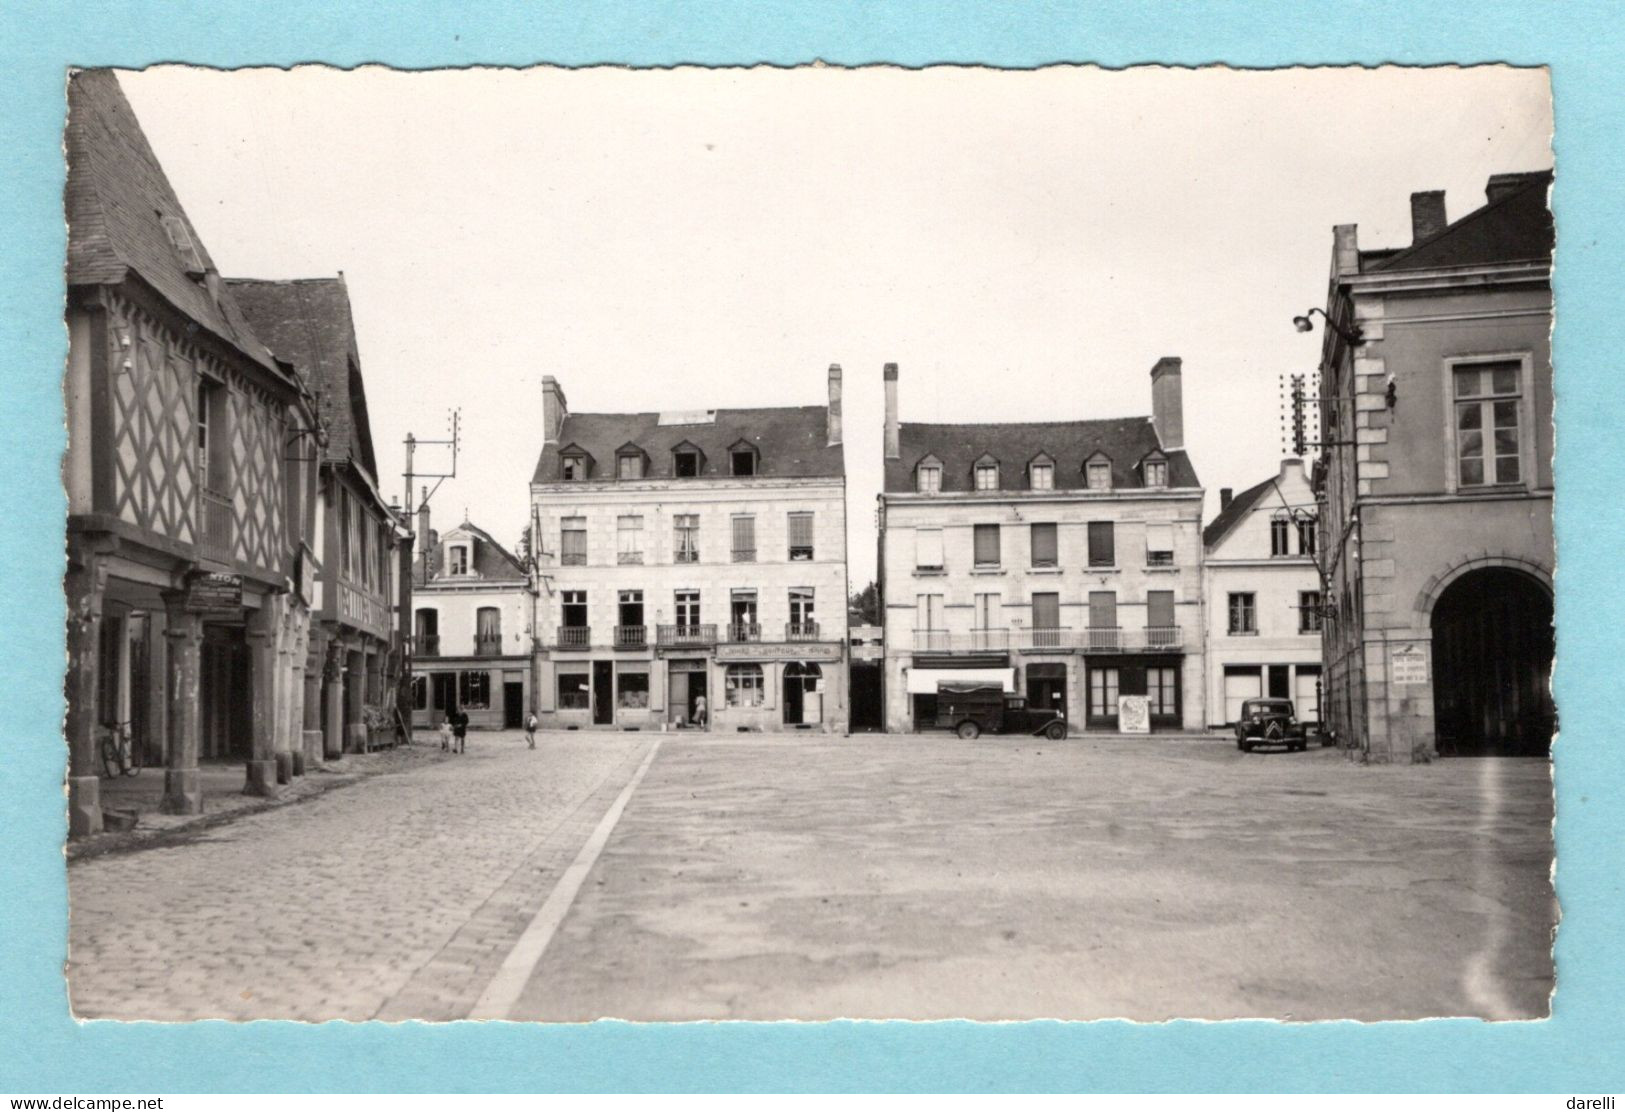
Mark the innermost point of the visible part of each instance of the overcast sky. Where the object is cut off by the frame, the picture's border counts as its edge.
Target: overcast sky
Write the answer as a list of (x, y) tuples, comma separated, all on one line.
[(1025, 245)]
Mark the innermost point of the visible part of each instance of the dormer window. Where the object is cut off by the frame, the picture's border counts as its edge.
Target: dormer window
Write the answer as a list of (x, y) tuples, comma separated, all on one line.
[(1041, 474), (574, 463), (987, 473), (687, 461), (743, 460), (573, 468), (457, 559), (1098, 473), (928, 476), (1156, 472), (630, 462)]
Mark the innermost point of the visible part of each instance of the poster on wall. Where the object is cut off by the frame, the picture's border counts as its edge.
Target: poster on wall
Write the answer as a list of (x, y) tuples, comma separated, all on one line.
[(1408, 664), (1133, 714)]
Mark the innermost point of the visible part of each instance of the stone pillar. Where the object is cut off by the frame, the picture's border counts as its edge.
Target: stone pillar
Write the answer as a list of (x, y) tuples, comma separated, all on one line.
[(84, 652), (261, 637), (333, 703), (282, 698), (183, 793), (315, 661), (355, 691)]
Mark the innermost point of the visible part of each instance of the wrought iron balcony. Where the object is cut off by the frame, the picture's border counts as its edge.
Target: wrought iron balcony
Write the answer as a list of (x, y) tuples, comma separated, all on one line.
[(631, 637), (426, 644), (1163, 637), (1103, 639), (574, 637), (488, 645), (1046, 637), (801, 631), (967, 641), (678, 636), (745, 631), (217, 526)]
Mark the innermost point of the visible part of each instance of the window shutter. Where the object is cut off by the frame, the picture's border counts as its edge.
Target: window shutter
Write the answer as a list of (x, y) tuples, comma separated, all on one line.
[(1102, 609), (1102, 544), (987, 544), (1044, 547), (1159, 607), (744, 534), (1047, 611), (928, 548)]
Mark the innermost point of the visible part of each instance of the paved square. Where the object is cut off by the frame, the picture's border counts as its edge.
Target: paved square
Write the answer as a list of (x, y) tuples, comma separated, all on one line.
[(769, 877)]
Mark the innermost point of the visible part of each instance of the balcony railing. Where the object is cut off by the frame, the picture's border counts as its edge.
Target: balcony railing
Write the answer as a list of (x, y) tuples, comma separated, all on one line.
[(1093, 639), (745, 631), (971, 641), (801, 631), (1163, 637), (1047, 637), (488, 645), (677, 636), (1103, 639), (631, 637), (575, 637), (426, 644), (217, 526), (686, 556)]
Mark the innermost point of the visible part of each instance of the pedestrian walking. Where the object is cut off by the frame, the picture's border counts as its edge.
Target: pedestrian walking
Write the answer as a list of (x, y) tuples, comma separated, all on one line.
[(699, 711), (459, 729), (530, 729)]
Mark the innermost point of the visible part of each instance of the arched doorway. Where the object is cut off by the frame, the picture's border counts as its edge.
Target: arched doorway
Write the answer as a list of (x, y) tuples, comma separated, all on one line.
[(803, 705), (1492, 663)]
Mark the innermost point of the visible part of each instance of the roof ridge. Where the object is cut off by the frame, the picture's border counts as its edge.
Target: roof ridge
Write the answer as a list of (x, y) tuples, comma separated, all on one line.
[(1542, 178)]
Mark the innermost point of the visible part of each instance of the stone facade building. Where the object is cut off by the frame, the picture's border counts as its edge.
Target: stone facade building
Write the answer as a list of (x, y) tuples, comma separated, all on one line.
[(471, 635), (689, 556), (1436, 477), (191, 498), (357, 654), (1060, 559), (1263, 597)]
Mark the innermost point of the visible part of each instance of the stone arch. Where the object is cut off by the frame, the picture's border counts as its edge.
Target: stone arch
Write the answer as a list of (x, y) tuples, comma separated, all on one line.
[(1436, 585)]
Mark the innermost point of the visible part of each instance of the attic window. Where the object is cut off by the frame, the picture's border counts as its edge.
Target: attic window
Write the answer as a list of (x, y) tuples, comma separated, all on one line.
[(181, 239), (1099, 474), (629, 465), (1156, 473), (685, 463), (744, 461), (928, 479), (457, 559), (1041, 476), (574, 468), (987, 476)]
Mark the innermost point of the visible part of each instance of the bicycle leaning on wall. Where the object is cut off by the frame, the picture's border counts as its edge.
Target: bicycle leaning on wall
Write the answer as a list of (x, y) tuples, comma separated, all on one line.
[(120, 755)]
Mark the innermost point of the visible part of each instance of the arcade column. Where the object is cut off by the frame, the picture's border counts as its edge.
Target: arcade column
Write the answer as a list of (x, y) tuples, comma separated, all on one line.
[(183, 792), (84, 650), (262, 658)]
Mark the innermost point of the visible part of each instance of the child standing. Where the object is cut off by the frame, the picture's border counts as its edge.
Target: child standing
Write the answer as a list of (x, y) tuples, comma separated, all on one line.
[(530, 729), (445, 735)]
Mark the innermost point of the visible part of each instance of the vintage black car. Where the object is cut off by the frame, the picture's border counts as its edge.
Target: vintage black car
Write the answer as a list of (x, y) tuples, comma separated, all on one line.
[(970, 710), (1270, 722)]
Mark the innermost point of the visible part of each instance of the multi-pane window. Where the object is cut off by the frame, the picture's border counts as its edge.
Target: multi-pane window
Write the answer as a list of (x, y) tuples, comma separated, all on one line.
[(1308, 611), (1042, 476), (1307, 528), (800, 525), (357, 523), (986, 545), (987, 476), (1280, 535), (801, 610), (928, 549), (1159, 545), (686, 533), (987, 611), (212, 458), (1156, 473), (629, 466), (474, 690), (572, 468), (1243, 613), (928, 480), (573, 540), (1162, 691), (573, 609), (688, 608), (742, 615), (1102, 544), (1045, 554), (1488, 433), (1098, 474), (743, 685), (574, 688), (1103, 683), (629, 539), (457, 561), (744, 538), (631, 609), (928, 612)]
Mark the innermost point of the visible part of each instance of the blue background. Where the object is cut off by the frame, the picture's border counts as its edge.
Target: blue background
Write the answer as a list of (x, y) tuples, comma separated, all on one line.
[(1580, 1049)]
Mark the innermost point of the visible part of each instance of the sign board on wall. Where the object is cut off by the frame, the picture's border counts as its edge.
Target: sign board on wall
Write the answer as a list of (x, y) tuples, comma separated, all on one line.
[(1133, 714), (1408, 664), (213, 592), (768, 652)]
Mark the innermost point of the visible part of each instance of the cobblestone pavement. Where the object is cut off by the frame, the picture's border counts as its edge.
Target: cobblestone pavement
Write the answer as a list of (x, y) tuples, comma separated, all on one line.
[(925, 877), (390, 898)]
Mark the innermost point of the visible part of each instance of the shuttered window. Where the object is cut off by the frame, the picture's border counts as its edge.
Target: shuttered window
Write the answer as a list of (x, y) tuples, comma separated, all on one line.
[(1102, 609), (1047, 610), (629, 538), (801, 536), (744, 539), (1102, 544), (573, 541), (1159, 609), (1159, 545), (987, 546), (928, 548), (1044, 546)]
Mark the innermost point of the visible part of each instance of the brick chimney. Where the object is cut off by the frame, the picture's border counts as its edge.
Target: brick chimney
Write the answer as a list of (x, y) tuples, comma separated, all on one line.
[(553, 410), (1168, 403), (893, 436), (1427, 214), (1225, 495), (1501, 185), (834, 404)]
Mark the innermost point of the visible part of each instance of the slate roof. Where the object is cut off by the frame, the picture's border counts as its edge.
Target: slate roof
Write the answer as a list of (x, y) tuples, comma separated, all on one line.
[(116, 199), (790, 442), (491, 560), (1124, 440), (307, 322), (1516, 227), (1235, 511)]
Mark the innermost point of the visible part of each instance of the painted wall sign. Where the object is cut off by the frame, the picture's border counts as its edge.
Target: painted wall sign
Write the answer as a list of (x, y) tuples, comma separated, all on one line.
[(1408, 664), (1133, 714), (214, 592), (799, 650)]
